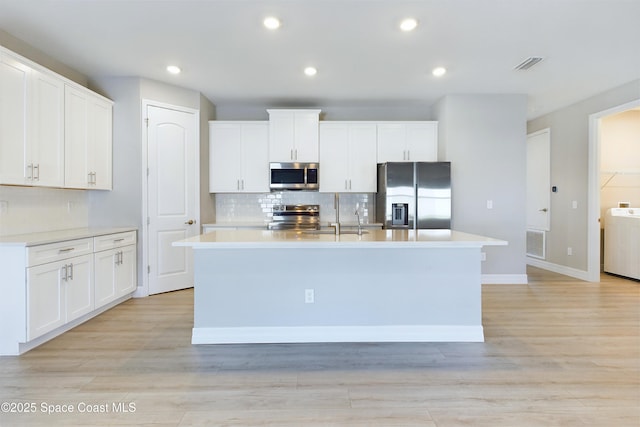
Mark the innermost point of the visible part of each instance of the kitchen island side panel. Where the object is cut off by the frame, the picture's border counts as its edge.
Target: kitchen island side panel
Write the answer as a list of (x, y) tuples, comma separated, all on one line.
[(367, 287)]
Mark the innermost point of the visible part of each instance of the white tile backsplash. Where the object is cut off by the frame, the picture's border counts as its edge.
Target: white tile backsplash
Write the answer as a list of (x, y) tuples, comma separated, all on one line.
[(241, 207), (35, 209)]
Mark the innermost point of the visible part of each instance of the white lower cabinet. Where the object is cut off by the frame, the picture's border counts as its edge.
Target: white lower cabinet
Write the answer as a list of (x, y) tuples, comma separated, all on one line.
[(58, 293), (49, 288), (79, 287), (116, 269), (45, 298)]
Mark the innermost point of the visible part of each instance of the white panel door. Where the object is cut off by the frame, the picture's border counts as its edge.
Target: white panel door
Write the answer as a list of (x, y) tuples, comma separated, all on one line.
[(105, 285), (306, 136), (46, 130), (334, 161), (79, 287), (126, 277), (45, 298), (171, 200), (392, 143), (538, 180), (101, 143), (255, 158), (225, 158), (13, 104), (76, 149), (422, 142)]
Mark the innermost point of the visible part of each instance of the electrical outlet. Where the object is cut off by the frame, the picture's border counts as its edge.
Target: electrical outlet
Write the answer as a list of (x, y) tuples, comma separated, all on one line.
[(483, 256), (574, 204), (489, 204), (569, 251), (4, 206), (309, 297)]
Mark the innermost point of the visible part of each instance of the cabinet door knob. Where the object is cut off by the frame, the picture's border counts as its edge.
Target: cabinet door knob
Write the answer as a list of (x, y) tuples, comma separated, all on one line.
[(191, 222)]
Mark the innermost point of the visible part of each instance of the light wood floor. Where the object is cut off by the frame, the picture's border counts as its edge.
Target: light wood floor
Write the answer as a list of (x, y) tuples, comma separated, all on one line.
[(558, 352)]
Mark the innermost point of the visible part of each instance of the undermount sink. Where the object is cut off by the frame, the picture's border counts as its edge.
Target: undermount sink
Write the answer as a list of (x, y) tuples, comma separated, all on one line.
[(333, 232)]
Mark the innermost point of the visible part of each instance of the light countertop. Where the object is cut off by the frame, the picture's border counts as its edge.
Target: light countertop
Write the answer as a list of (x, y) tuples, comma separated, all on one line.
[(255, 239), (256, 225), (43, 238)]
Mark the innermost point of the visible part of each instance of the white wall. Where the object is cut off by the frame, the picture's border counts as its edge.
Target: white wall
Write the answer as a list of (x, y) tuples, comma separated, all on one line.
[(569, 172), (34, 209), (484, 138)]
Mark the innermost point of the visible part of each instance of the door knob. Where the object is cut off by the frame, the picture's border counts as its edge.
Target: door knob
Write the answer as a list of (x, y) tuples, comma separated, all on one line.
[(542, 210), (190, 222)]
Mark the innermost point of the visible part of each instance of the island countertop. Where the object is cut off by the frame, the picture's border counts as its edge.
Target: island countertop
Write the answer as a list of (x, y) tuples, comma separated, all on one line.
[(255, 239)]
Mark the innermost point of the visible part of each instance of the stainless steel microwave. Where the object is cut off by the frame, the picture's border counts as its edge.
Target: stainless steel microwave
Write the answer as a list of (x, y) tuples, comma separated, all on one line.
[(293, 176)]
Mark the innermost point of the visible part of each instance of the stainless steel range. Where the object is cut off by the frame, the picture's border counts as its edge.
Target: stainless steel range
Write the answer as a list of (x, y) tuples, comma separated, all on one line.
[(295, 217)]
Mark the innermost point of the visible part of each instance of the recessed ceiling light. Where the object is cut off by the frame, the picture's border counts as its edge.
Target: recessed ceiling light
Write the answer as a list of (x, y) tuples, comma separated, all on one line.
[(271, 22), (174, 69), (310, 71), (408, 24), (439, 71)]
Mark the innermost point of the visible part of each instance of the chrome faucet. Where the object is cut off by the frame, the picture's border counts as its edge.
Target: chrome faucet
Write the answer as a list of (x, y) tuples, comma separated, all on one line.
[(336, 205), (359, 222)]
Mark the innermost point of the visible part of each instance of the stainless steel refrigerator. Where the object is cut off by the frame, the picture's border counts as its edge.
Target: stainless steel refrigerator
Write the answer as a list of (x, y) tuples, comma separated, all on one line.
[(414, 195)]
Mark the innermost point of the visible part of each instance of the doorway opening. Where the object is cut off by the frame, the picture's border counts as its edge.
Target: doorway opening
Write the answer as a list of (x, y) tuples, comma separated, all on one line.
[(596, 181)]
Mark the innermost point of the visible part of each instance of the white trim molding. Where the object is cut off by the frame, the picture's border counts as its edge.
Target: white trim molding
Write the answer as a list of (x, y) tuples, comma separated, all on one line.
[(504, 279), (561, 269), (315, 334)]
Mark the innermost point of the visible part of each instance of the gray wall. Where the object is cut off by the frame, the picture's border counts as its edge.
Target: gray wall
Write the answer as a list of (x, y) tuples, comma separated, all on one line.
[(28, 51), (569, 172), (207, 200), (123, 205), (484, 137), (347, 111)]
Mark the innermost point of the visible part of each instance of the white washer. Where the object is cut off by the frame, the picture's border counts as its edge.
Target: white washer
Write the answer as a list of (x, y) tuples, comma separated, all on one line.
[(622, 242)]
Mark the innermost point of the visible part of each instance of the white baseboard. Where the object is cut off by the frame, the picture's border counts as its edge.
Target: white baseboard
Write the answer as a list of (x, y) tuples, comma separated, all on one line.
[(556, 268), (309, 334), (504, 279)]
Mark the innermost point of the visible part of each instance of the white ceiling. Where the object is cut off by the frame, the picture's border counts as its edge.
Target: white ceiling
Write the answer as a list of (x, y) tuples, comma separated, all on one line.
[(588, 46)]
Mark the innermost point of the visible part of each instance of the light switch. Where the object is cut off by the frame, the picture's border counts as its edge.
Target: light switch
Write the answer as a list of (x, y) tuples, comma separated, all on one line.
[(489, 204), (574, 204)]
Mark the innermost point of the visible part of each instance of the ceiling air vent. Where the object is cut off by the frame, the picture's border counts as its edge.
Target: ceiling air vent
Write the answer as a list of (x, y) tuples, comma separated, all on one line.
[(528, 63)]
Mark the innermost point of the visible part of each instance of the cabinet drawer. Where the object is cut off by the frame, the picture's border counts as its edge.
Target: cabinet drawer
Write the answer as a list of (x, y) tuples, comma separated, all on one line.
[(52, 252), (110, 241)]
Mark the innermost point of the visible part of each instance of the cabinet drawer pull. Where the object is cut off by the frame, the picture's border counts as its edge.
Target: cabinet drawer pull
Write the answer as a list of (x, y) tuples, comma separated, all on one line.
[(118, 240), (65, 250)]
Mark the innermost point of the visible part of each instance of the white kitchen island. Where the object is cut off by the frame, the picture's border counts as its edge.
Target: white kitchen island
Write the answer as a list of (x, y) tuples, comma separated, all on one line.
[(257, 286)]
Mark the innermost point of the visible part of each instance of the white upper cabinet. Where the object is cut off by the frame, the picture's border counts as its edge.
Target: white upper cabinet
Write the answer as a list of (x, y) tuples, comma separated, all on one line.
[(53, 133), (88, 140), (45, 134), (31, 125), (348, 157), (293, 135), (13, 118), (408, 142), (238, 157)]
